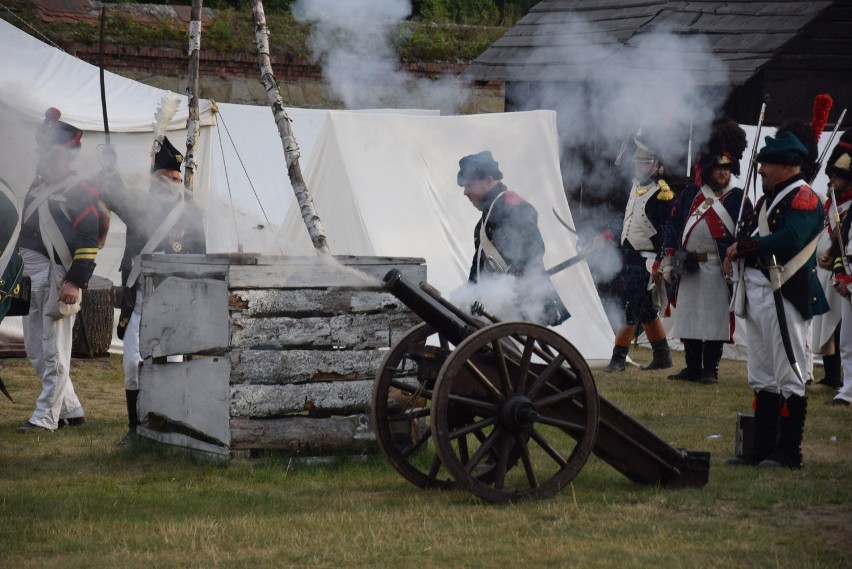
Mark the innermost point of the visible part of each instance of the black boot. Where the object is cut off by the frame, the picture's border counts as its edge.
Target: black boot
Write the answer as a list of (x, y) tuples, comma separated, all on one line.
[(833, 375), (712, 355), (791, 428), (692, 355), (617, 363), (132, 397), (767, 407), (662, 356)]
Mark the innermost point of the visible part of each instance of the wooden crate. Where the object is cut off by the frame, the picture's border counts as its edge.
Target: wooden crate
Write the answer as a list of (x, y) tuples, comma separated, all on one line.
[(279, 352)]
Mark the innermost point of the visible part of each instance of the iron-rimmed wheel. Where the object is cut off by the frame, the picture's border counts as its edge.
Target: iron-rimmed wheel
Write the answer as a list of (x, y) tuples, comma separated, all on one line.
[(511, 393), (402, 395)]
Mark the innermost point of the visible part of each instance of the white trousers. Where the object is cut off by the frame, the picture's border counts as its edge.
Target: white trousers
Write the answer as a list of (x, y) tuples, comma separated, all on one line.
[(768, 367), (845, 392), (132, 357), (48, 345)]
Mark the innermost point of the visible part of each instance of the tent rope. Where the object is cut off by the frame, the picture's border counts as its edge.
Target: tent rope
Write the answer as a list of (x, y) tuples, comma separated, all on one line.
[(46, 39), (248, 178), (230, 194)]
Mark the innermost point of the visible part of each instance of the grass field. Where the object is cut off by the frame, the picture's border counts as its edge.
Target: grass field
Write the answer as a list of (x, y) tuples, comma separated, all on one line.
[(74, 499)]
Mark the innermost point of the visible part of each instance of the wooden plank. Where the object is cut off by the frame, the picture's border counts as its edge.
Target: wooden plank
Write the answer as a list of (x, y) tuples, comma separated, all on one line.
[(192, 396), (183, 265), (351, 332), (184, 316), (318, 275), (265, 367), (179, 440), (311, 302), (333, 435), (336, 397)]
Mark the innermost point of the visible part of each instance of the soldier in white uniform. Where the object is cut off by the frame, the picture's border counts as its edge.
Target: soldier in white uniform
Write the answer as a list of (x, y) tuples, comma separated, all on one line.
[(648, 208), (839, 170), (698, 233)]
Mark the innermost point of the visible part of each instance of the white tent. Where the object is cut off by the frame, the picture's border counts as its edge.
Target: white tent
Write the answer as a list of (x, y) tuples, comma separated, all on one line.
[(386, 185)]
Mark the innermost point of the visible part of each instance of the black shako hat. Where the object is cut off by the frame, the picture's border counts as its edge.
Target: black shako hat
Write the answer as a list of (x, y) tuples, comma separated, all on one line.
[(478, 167), (840, 162), (166, 157), (54, 132), (786, 148)]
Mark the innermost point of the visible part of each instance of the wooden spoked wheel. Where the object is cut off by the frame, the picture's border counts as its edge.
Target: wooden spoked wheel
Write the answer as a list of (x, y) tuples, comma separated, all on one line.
[(514, 394), (402, 397)]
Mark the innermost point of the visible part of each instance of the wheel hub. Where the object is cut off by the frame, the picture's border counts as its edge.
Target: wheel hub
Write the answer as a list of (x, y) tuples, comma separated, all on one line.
[(518, 413)]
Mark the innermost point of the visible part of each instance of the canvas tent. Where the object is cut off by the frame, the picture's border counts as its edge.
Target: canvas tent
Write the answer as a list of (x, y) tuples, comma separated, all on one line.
[(245, 208), (386, 185)]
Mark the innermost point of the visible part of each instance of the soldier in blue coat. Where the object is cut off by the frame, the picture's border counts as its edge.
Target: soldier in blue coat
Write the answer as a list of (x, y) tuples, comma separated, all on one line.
[(785, 224), (697, 235), (507, 241)]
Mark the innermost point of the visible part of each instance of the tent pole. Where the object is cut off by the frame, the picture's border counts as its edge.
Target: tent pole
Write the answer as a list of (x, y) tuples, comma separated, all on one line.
[(282, 121)]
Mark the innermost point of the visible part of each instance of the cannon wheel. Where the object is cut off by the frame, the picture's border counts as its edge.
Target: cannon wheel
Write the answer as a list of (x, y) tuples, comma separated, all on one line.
[(522, 393), (401, 410)]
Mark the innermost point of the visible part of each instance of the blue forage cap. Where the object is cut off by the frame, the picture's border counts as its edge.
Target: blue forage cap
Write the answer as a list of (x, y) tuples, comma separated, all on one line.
[(478, 167)]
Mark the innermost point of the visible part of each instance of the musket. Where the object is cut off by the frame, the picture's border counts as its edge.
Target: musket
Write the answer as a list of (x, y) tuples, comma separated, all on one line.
[(836, 231), (737, 268), (827, 146)]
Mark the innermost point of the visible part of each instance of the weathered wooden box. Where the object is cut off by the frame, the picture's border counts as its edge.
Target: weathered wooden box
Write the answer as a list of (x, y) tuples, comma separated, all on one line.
[(279, 352)]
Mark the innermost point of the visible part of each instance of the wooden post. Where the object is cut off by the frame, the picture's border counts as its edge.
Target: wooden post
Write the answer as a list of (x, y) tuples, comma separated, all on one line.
[(192, 125), (282, 121)]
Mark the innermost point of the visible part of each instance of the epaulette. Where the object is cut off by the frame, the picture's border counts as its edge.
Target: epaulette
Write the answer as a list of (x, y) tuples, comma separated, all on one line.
[(665, 194), (805, 200), (511, 198)]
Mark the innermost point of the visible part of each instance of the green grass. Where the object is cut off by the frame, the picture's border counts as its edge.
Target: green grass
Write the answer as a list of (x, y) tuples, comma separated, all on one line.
[(74, 499)]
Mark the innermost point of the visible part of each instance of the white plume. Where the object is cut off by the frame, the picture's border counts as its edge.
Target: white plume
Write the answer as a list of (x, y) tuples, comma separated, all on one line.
[(165, 112)]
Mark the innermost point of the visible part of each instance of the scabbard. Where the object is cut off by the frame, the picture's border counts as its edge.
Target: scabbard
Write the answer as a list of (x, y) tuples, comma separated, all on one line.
[(784, 330)]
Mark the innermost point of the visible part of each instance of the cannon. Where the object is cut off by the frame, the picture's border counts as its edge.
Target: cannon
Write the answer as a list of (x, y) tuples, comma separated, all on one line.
[(507, 410)]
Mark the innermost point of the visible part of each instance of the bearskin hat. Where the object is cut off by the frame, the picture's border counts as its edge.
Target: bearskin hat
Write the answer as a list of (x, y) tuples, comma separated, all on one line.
[(166, 157), (54, 132), (805, 134), (726, 146), (840, 162)]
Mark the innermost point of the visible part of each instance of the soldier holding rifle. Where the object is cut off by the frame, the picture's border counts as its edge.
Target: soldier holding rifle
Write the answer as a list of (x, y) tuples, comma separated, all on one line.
[(839, 170), (782, 294)]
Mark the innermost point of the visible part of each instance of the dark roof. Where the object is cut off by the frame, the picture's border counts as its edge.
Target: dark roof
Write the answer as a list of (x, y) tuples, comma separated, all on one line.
[(549, 45)]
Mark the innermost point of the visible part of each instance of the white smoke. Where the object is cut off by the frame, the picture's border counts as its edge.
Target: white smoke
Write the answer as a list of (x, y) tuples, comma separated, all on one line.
[(353, 41)]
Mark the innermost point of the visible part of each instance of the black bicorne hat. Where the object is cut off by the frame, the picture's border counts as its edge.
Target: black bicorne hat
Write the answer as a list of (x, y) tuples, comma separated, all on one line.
[(478, 167), (54, 132), (166, 156)]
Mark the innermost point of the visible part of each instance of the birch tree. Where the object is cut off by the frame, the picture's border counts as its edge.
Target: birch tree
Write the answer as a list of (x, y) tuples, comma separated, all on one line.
[(282, 121)]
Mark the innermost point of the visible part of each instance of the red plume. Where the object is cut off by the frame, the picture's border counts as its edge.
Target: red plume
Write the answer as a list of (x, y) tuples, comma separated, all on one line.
[(822, 106)]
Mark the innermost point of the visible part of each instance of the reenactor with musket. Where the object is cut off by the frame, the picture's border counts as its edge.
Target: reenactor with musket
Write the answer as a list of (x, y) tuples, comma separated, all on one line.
[(839, 171), (782, 294)]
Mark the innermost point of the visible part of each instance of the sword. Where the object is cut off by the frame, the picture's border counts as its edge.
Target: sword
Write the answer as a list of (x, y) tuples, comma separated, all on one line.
[(599, 242), (775, 280)]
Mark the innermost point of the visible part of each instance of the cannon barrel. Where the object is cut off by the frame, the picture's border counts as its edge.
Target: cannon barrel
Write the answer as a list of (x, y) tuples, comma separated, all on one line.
[(428, 308)]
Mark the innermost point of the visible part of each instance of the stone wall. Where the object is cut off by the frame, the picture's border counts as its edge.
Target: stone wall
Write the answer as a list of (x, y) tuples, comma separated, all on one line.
[(234, 77)]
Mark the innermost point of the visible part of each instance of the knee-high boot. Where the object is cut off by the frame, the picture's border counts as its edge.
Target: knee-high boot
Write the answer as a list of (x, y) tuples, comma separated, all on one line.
[(712, 355), (767, 407), (132, 398), (657, 336), (619, 351), (791, 429), (692, 354)]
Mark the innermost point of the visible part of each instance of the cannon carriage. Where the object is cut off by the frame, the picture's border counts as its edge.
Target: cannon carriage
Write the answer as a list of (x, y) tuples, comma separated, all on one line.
[(507, 410)]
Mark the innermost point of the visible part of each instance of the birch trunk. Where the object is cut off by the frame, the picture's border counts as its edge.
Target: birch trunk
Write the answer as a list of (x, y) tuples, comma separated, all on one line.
[(282, 121), (192, 126)]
